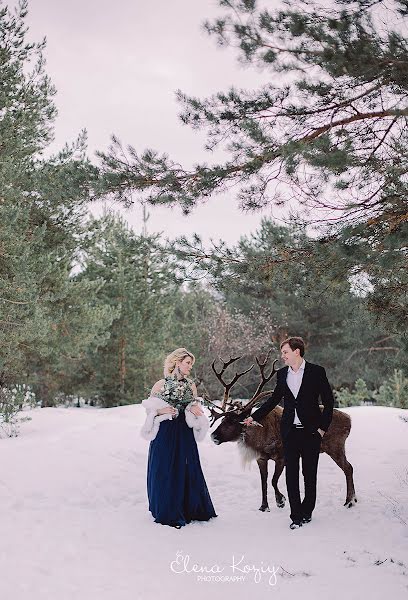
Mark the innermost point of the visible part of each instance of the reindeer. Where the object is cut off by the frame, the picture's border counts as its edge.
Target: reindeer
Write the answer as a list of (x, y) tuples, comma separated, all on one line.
[(265, 443)]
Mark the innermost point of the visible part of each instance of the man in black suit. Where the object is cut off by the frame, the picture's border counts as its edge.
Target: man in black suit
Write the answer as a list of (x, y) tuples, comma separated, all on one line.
[(303, 424)]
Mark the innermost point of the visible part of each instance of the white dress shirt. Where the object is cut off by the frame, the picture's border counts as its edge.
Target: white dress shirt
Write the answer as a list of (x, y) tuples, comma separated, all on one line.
[(294, 381)]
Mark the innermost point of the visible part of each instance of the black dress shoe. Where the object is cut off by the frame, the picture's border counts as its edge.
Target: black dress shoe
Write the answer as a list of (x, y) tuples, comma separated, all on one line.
[(306, 519), (295, 524)]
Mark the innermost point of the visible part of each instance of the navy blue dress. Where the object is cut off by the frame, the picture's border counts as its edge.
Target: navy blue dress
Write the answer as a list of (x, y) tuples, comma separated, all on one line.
[(176, 486)]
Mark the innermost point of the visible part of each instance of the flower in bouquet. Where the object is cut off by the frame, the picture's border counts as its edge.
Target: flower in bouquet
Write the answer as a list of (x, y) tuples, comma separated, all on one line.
[(177, 392)]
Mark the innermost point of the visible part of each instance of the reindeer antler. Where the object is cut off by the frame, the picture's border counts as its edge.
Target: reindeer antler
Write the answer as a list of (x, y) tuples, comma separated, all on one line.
[(217, 415), (219, 411), (258, 394), (228, 386), (262, 367)]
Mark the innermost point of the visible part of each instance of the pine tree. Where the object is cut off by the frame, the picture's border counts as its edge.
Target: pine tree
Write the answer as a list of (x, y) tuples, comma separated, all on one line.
[(394, 391), (329, 132), (359, 395), (303, 296), (140, 285), (42, 208)]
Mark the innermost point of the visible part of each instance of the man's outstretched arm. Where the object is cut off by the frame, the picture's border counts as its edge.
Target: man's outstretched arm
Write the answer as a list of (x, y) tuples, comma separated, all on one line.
[(270, 403)]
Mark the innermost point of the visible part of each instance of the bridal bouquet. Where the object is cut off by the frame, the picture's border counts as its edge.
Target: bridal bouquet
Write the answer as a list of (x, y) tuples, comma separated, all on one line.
[(176, 392)]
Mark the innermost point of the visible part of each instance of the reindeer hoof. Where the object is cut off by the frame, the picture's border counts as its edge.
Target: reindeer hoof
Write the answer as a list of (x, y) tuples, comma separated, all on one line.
[(281, 502), (264, 508), (349, 503)]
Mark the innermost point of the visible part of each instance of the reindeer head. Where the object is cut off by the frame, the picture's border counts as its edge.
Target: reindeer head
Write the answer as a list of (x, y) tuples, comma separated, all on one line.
[(230, 428)]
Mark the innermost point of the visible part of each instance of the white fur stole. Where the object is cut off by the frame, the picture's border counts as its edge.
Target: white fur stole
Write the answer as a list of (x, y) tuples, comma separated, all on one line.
[(199, 425)]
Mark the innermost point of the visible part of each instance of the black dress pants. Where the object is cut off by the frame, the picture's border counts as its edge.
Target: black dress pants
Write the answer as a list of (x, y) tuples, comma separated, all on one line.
[(301, 444)]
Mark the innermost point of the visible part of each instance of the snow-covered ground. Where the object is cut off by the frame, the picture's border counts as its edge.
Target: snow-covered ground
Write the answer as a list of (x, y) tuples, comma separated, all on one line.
[(75, 524)]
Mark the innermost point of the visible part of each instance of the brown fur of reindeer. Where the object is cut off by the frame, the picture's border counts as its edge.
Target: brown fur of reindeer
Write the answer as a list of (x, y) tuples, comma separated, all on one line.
[(265, 443)]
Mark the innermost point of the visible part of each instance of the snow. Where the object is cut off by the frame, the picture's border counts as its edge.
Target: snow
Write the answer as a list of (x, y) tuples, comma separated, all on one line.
[(75, 524)]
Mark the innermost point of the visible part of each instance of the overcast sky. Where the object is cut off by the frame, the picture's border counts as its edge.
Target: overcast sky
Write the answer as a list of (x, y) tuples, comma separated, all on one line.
[(116, 66)]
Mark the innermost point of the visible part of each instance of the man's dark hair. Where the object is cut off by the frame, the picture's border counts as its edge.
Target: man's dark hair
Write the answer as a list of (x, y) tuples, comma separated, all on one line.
[(294, 343)]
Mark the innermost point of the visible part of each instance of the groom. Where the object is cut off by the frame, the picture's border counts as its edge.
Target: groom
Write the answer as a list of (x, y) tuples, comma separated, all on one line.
[(303, 425)]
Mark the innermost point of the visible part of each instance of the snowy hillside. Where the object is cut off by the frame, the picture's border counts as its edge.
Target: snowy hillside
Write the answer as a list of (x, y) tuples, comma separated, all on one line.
[(75, 525)]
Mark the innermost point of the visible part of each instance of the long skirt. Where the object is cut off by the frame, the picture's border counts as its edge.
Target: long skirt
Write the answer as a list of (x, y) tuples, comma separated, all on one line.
[(176, 487)]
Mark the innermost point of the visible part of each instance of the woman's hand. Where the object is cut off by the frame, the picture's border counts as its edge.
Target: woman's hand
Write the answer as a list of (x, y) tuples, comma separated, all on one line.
[(167, 410), (196, 410)]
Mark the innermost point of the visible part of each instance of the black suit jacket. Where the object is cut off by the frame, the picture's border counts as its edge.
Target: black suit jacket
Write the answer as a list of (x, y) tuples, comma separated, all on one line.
[(314, 385)]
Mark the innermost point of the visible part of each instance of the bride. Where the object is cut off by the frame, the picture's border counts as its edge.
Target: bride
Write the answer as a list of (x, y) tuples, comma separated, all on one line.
[(175, 421)]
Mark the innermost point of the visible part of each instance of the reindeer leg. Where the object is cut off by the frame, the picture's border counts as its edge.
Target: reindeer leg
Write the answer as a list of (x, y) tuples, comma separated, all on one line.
[(341, 460), (280, 498), (263, 469)]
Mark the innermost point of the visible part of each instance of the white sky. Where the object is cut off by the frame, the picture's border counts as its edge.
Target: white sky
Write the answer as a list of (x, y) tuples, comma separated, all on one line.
[(116, 66)]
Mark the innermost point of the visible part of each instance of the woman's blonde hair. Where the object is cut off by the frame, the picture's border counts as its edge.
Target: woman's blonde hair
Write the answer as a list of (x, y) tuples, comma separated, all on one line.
[(172, 359)]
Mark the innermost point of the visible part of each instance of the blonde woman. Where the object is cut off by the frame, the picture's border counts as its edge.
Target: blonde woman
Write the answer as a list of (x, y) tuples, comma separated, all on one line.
[(175, 421)]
